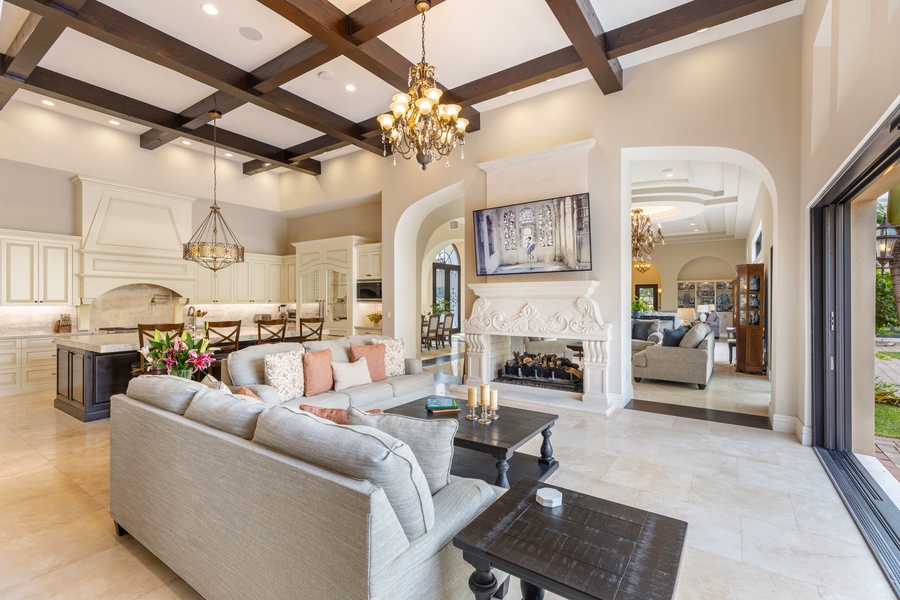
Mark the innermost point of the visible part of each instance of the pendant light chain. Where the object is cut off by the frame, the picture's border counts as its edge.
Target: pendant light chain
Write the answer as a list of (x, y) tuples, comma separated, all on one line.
[(423, 36), (215, 165)]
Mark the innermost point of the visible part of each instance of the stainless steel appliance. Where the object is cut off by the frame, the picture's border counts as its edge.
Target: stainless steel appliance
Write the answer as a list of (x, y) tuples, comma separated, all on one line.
[(368, 291)]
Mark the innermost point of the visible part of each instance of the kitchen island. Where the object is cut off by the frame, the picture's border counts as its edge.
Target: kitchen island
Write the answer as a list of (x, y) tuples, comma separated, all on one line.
[(94, 367)]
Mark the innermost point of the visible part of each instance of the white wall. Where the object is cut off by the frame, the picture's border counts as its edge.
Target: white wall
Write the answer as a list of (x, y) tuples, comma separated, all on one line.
[(36, 199)]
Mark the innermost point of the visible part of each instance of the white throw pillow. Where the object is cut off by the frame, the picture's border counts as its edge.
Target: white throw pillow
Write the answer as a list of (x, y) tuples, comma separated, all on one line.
[(394, 361), (214, 384), (347, 375), (284, 372)]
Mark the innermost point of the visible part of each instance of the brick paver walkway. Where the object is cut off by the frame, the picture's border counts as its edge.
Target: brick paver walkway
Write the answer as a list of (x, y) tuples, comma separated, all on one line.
[(888, 453)]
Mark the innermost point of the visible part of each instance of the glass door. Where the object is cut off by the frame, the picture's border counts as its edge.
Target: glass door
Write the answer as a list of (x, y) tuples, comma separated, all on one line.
[(446, 287)]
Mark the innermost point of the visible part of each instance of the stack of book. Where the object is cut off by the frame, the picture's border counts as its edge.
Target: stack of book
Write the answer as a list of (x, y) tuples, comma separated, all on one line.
[(441, 404)]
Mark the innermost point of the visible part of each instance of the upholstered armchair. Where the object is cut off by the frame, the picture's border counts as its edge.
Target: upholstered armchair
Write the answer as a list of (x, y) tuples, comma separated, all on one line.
[(713, 322)]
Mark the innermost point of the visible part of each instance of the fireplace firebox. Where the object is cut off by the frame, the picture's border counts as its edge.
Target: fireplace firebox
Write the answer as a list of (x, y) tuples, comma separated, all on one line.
[(547, 371)]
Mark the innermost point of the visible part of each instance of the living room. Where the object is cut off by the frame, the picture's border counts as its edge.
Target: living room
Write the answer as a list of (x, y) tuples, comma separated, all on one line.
[(788, 92)]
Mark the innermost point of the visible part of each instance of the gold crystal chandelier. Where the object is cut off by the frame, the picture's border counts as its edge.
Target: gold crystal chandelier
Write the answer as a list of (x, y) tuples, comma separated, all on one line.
[(643, 239), (214, 246), (417, 124)]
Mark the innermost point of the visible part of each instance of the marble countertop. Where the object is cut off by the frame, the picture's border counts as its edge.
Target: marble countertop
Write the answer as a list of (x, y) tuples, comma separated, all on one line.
[(106, 343), (39, 333)]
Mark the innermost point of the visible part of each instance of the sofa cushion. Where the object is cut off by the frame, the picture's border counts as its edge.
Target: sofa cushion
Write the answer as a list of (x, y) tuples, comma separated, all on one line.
[(394, 363), (236, 415), (284, 372), (348, 375), (673, 337), (338, 415), (317, 372), (696, 335), (407, 384), (246, 367), (374, 355), (431, 441), (641, 329), (167, 392), (363, 396), (340, 348), (355, 451)]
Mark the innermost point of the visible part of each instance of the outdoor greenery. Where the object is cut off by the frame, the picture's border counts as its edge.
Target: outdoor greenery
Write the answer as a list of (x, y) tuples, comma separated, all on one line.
[(885, 307), (886, 392), (640, 304), (440, 306), (887, 420)]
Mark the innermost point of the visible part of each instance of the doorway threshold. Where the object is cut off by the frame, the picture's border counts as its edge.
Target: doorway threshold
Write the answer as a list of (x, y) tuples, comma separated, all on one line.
[(701, 414)]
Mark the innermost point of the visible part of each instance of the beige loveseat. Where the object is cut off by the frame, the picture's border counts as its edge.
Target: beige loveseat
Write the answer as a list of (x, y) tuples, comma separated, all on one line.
[(674, 363), (195, 478), (247, 367)]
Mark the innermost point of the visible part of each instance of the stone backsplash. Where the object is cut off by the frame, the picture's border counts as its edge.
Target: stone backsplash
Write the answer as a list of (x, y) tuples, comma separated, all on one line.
[(31, 319)]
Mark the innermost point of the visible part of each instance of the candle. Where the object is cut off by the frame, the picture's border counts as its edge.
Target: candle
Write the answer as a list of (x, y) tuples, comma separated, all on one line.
[(493, 399), (473, 397), (485, 394)]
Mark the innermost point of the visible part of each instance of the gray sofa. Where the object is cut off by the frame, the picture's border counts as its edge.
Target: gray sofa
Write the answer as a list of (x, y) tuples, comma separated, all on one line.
[(674, 363), (238, 520), (247, 367)]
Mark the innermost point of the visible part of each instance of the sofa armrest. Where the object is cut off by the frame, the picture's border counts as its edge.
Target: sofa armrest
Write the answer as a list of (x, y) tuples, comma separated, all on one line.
[(656, 337), (413, 366)]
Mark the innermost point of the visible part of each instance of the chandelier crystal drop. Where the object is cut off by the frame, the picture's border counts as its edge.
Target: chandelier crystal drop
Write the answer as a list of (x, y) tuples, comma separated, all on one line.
[(643, 239), (214, 246), (418, 125)]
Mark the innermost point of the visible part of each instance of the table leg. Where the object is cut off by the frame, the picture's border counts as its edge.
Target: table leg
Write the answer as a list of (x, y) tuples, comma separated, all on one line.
[(546, 449), (531, 591), (482, 582), (502, 468)]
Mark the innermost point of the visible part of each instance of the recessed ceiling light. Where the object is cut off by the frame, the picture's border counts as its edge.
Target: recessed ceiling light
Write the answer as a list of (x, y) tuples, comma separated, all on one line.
[(696, 230), (185, 142), (670, 174), (692, 223), (48, 103), (549, 80), (702, 30), (267, 164), (350, 87), (251, 34), (114, 122), (325, 75), (509, 93), (209, 9), (229, 155)]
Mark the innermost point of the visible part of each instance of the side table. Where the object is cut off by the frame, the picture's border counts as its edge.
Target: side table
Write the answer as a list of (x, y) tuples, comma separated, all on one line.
[(587, 549)]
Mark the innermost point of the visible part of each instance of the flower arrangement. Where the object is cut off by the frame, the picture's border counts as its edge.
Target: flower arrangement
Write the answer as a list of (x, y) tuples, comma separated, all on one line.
[(181, 355), (374, 317)]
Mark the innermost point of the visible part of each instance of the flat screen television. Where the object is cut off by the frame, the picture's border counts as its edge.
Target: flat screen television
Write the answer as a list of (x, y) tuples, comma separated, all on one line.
[(544, 236)]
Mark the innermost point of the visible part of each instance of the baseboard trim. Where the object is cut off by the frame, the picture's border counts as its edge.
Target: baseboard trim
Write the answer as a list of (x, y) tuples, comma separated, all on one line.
[(792, 424)]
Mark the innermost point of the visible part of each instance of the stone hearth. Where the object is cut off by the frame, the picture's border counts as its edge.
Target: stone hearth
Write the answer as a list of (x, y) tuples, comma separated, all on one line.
[(560, 309)]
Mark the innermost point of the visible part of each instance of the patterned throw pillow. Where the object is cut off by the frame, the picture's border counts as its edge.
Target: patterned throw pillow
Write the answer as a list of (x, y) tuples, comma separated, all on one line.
[(317, 370), (284, 372), (394, 361)]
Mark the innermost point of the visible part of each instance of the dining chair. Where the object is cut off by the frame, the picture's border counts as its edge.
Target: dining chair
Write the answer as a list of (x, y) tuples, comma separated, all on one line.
[(423, 327), (431, 337), (223, 335), (310, 329), (447, 329), (271, 331)]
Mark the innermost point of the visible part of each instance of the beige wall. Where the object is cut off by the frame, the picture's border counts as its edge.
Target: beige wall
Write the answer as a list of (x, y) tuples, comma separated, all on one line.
[(862, 358), (259, 231), (696, 261), (762, 219), (363, 220), (36, 199)]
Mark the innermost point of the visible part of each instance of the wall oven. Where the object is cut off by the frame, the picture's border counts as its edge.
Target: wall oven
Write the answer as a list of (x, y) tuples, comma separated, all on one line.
[(368, 291)]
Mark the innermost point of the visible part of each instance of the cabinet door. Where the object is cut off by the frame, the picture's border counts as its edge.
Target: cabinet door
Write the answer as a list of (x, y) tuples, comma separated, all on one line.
[(241, 284), (274, 274), (224, 282), (63, 381), (78, 373), (259, 289), (55, 273), (289, 292), (375, 264), (20, 273), (206, 286), (362, 265), (337, 300)]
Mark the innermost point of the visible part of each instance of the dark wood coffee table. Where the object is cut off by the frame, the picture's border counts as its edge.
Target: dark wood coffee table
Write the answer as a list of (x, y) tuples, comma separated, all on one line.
[(500, 440), (586, 549)]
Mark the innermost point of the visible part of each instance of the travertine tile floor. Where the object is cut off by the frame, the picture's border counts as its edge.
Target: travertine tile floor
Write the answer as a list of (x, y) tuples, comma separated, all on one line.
[(764, 521)]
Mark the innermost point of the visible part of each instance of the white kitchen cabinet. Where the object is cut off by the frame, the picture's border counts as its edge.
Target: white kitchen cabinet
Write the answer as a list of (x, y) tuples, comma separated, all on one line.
[(289, 281), (36, 272), (258, 280), (368, 261), (27, 365), (274, 287), (214, 287)]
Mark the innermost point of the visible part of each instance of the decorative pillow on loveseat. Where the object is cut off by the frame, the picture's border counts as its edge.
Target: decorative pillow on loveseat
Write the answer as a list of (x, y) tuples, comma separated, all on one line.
[(672, 337), (347, 375), (695, 336), (374, 355), (284, 372), (338, 415), (394, 361), (317, 372), (354, 451), (431, 441), (641, 329)]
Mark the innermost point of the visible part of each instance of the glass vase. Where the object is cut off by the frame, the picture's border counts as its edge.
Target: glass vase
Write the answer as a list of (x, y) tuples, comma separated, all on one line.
[(185, 372)]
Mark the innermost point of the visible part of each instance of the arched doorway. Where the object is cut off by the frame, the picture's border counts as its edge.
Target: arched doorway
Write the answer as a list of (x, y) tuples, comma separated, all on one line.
[(446, 281)]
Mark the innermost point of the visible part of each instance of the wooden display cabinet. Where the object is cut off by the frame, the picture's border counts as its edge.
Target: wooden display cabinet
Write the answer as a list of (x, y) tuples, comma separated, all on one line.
[(749, 318)]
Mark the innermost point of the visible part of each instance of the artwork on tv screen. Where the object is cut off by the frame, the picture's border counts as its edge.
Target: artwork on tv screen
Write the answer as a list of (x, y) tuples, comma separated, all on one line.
[(545, 236)]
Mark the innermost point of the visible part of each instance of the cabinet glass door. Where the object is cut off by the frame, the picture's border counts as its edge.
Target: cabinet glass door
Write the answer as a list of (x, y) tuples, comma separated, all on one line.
[(310, 295), (336, 297)]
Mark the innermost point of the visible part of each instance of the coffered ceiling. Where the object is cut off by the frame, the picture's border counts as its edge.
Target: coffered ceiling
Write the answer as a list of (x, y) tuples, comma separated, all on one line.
[(300, 81)]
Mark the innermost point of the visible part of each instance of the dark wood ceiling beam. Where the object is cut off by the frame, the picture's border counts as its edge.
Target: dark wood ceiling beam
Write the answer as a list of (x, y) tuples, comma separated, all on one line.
[(580, 22), (680, 21), (86, 95), (378, 16), (121, 31)]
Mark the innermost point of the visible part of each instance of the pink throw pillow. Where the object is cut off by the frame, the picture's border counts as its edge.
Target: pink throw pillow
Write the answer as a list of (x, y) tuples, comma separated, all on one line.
[(317, 372), (245, 391), (374, 355), (338, 415)]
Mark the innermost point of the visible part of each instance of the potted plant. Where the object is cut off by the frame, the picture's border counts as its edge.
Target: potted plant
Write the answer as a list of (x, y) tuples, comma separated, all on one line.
[(638, 306), (374, 318), (181, 356), (440, 306)]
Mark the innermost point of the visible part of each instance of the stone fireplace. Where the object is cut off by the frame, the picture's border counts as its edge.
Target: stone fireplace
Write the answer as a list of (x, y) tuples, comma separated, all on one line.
[(564, 310)]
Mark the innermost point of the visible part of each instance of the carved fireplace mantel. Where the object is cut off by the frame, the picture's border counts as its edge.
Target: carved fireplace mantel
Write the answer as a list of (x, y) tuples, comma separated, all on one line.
[(560, 309)]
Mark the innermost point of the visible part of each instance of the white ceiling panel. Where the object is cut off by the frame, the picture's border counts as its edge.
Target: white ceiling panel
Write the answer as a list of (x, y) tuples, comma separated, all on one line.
[(260, 124), (469, 39), (11, 19), (219, 35), (89, 60), (78, 112), (372, 95), (335, 153), (613, 15), (204, 148), (535, 90), (348, 6)]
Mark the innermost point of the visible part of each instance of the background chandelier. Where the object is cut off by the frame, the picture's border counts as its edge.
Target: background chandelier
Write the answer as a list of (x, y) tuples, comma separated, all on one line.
[(417, 124), (214, 245), (643, 239)]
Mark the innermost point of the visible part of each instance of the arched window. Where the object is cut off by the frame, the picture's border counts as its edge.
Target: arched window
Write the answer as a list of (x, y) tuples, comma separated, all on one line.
[(448, 256)]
